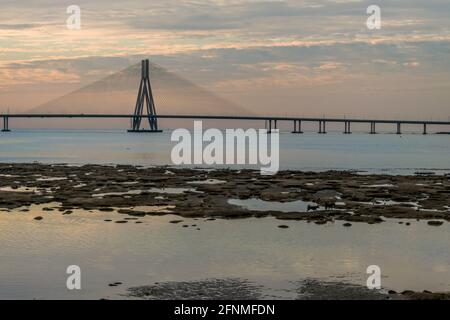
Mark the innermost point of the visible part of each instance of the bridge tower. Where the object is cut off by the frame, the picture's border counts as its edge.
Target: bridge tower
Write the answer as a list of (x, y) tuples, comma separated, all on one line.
[(145, 98)]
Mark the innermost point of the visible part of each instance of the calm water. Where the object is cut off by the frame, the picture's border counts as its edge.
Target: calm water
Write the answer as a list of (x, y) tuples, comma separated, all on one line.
[(388, 153), (35, 254)]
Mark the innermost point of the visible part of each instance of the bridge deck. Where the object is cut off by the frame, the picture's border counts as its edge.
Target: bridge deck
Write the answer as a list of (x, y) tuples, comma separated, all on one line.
[(208, 117)]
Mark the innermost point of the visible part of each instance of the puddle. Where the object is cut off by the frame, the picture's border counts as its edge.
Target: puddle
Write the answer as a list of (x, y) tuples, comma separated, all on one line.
[(152, 190), (51, 179), (161, 209), (20, 189), (209, 181), (387, 185), (173, 190), (81, 185), (131, 192), (261, 205), (390, 203)]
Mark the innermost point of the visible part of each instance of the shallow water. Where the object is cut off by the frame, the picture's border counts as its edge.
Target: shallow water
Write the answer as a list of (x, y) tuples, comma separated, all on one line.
[(34, 255), (261, 205), (382, 153)]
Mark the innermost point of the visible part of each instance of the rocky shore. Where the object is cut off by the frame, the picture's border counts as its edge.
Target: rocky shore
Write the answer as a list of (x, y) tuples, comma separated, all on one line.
[(238, 289), (192, 193)]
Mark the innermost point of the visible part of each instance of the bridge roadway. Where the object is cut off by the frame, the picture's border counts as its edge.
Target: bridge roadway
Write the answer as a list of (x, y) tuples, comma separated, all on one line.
[(271, 121)]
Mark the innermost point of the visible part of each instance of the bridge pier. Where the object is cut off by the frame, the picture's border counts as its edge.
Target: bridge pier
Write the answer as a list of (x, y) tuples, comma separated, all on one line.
[(145, 101), (347, 127), (6, 124), (399, 128), (373, 128), (322, 127), (275, 125), (297, 126), (425, 128)]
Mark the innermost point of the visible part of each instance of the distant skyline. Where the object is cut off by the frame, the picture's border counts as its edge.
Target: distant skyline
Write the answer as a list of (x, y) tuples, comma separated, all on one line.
[(292, 57)]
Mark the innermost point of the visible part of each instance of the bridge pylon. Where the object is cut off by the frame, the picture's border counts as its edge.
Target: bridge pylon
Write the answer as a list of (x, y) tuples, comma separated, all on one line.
[(145, 98)]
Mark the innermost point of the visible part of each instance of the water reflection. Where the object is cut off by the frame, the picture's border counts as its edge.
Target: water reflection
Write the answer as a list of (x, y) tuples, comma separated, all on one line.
[(35, 254), (261, 205)]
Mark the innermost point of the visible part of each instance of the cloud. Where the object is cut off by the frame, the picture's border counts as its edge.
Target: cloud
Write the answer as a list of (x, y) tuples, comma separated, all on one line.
[(226, 44), (18, 26)]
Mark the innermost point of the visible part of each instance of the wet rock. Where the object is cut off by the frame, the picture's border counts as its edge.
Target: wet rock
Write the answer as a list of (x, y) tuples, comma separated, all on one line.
[(426, 295), (435, 223), (132, 213), (312, 208), (115, 284), (348, 224), (407, 292), (322, 188), (211, 289), (392, 292), (312, 289)]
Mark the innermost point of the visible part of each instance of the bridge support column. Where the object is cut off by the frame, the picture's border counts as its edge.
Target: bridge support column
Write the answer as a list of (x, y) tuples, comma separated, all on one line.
[(275, 125), (322, 127), (145, 101), (373, 128), (399, 128), (297, 126), (425, 128), (347, 127), (6, 124)]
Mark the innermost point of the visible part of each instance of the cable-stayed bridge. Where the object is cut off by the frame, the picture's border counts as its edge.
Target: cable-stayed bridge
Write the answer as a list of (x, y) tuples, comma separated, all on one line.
[(145, 109)]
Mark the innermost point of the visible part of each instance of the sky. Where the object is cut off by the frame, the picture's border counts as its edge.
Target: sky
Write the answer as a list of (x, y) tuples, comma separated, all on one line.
[(292, 57)]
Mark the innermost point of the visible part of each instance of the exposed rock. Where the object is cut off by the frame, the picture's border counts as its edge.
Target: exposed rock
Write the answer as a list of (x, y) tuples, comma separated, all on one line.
[(128, 187), (347, 224), (435, 223)]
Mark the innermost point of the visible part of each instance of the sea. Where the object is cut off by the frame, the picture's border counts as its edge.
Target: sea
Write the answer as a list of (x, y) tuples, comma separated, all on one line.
[(34, 256)]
